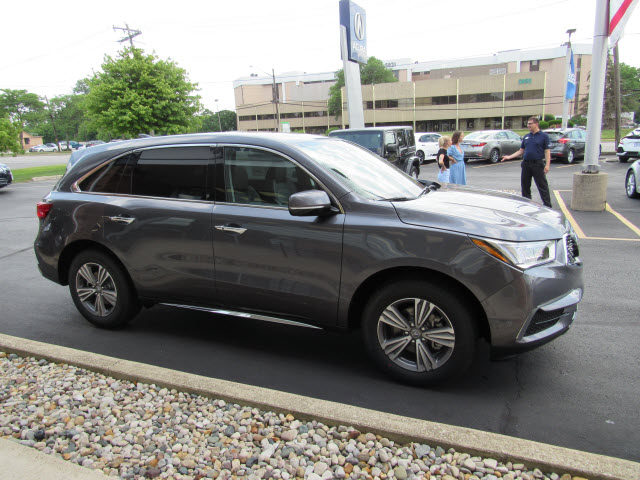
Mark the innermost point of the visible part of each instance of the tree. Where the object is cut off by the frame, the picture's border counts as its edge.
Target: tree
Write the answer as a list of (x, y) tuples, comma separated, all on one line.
[(629, 93), (210, 122), (9, 134), (138, 93), (373, 72), (22, 107)]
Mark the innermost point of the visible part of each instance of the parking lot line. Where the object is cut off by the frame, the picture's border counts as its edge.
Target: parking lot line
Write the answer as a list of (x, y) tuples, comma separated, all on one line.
[(608, 208)]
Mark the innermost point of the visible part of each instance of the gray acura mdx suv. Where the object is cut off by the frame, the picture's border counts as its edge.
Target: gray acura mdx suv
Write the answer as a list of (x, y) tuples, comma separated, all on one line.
[(315, 231)]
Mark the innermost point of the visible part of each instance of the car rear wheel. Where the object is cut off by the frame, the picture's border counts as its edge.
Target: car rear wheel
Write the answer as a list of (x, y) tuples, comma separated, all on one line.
[(494, 156), (632, 190), (571, 156), (420, 155), (101, 290), (418, 332)]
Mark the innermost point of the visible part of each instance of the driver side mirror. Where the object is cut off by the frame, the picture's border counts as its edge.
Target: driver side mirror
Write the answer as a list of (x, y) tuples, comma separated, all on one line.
[(310, 203)]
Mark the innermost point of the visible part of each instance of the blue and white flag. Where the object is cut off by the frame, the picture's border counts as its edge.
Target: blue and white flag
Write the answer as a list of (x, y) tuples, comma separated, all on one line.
[(571, 81)]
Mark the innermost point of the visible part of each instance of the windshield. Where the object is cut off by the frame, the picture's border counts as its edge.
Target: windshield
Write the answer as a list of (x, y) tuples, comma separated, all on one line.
[(363, 173), (477, 135), (369, 140)]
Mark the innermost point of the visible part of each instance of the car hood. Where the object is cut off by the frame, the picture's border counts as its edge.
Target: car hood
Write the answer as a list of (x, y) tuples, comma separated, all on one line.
[(485, 213)]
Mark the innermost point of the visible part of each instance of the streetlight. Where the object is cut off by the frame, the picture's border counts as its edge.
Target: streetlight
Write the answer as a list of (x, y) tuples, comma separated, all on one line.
[(275, 96), (218, 114)]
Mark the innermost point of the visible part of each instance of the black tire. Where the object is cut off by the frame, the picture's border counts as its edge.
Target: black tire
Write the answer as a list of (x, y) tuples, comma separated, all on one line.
[(494, 156), (571, 157), (102, 290), (420, 155), (414, 172), (441, 357), (623, 159), (631, 185)]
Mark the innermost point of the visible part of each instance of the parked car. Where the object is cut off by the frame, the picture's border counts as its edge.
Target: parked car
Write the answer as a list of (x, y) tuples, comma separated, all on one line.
[(47, 147), (490, 145), (629, 146), (632, 183), (91, 143), (70, 145), (6, 177), (396, 144), (310, 230), (568, 145), (427, 145)]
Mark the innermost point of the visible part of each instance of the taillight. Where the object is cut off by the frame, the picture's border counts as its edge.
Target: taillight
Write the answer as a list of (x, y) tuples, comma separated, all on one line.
[(43, 209), (563, 140), (479, 144)]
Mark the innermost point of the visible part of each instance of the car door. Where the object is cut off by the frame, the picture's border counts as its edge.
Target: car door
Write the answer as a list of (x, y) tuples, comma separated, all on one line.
[(159, 223), (266, 260), (513, 143)]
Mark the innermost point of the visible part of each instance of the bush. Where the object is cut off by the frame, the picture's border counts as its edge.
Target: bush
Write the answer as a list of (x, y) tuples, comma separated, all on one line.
[(548, 117), (543, 124), (555, 121), (579, 120)]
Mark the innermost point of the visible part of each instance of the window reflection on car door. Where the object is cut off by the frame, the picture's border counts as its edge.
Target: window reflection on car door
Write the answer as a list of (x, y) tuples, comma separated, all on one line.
[(266, 260)]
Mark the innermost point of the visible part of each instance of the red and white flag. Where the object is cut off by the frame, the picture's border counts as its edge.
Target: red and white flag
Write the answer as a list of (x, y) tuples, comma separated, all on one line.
[(619, 13)]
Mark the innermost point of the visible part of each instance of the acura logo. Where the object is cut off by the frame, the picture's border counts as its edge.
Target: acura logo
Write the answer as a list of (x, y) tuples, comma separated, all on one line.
[(358, 26)]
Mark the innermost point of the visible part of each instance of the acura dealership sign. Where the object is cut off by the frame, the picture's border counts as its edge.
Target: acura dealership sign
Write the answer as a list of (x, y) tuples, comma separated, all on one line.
[(353, 18)]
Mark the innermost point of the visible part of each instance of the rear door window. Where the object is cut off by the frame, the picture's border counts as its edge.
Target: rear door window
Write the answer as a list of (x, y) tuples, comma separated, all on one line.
[(114, 177)]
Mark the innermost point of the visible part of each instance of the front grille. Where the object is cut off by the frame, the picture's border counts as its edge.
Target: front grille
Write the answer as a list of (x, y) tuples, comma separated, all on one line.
[(571, 246), (543, 320)]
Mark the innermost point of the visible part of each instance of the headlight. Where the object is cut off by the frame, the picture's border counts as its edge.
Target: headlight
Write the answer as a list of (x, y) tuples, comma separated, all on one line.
[(521, 255)]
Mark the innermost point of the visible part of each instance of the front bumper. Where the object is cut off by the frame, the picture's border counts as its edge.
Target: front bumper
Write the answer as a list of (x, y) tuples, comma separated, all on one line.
[(536, 307)]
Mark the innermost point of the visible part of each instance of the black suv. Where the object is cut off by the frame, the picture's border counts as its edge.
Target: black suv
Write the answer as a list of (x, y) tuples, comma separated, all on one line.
[(291, 228), (395, 144)]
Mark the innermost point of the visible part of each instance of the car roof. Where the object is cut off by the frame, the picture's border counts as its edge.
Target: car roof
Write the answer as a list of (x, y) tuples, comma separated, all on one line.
[(374, 129)]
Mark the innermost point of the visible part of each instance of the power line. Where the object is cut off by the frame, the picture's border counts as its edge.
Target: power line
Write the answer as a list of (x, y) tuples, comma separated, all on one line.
[(130, 34)]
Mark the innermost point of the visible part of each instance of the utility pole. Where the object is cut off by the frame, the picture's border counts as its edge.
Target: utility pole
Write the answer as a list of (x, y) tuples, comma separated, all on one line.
[(275, 99), (218, 114), (567, 70), (130, 34), (616, 93)]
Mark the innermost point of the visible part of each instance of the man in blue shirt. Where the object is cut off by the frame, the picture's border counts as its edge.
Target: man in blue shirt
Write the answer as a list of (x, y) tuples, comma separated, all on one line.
[(535, 162)]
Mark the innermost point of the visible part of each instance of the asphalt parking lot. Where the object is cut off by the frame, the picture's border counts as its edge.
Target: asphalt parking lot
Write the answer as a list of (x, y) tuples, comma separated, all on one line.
[(579, 391)]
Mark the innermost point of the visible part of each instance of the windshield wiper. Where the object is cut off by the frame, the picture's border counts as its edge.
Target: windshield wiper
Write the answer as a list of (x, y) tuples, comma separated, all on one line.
[(395, 199)]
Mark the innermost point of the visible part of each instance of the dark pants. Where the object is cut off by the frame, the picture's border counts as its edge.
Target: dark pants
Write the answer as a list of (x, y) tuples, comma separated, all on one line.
[(535, 169)]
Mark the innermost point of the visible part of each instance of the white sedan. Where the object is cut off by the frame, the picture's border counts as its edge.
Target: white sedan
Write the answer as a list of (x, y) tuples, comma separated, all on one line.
[(427, 145), (47, 147), (629, 146)]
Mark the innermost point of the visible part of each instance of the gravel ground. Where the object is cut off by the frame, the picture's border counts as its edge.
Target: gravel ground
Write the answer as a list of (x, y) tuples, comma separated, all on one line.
[(137, 431)]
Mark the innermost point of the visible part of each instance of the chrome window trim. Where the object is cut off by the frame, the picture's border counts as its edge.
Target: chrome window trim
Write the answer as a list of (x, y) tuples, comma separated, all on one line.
[(76, 188)]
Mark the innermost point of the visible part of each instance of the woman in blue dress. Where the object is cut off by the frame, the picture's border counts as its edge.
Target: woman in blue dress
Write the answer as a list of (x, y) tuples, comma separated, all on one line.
[(457, 170)]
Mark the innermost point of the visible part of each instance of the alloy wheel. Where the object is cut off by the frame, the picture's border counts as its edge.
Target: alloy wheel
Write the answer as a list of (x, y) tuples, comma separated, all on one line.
[(96, 289), (416, 335), (631, 185)]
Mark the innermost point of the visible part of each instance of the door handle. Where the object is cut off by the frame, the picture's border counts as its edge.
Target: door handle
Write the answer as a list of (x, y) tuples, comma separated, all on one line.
[(230, 229), (124, 220)]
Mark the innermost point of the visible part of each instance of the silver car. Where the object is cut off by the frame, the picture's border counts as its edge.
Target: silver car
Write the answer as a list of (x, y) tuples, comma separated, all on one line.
[(632, 182), (490, 145)]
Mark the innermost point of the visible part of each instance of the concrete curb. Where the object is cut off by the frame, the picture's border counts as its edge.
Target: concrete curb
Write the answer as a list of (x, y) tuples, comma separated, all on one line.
[(400, 429), (46, 177), (28, 463)]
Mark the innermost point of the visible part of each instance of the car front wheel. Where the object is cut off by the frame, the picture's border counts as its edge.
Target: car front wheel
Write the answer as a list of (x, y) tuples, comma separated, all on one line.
[(414, 172), (101, 290), (418, 332), (632, 190), (623, 159)]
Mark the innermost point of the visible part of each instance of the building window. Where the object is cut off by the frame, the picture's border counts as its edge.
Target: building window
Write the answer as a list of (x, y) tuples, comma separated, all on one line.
[(524, 95), (481, 97), (534, 66)]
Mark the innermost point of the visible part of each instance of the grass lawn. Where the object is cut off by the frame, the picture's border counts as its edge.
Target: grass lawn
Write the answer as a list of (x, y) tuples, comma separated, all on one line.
[(26, 174)]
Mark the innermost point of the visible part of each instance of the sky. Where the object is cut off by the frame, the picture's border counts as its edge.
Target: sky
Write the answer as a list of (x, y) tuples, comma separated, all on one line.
[(48, 46)]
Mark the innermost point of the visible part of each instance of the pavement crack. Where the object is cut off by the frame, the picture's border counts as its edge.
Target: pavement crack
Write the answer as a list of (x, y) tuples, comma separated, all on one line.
[(15, 253), (508, 420)]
